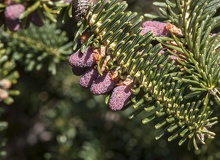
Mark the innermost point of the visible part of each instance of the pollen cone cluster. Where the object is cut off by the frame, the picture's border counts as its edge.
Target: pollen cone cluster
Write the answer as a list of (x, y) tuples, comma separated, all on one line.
[(105, 82)]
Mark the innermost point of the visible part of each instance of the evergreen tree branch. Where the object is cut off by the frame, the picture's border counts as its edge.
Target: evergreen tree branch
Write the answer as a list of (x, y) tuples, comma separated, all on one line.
[(35, 46), (178, 96), (8, 76)]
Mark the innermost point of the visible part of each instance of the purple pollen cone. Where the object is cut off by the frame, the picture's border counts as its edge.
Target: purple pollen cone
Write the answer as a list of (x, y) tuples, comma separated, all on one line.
[(81, 60), (158, 28), (13, 25), (12, 13), (88, 77), (68, 1), (103, 84), (119, 97), (78, 71), (36, 19)]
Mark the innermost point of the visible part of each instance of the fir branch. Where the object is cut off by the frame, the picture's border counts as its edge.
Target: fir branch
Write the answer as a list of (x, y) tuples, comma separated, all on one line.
[(198, 47), (177, 95), (35, 46), (8, 76)]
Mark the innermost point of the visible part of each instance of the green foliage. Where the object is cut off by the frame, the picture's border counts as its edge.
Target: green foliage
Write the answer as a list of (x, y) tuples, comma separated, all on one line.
[(49, 8), (8, 73), (199, 61), (38, 48)]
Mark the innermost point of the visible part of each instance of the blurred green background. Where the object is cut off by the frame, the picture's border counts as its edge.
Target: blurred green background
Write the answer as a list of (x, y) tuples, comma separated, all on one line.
[(55, 119)]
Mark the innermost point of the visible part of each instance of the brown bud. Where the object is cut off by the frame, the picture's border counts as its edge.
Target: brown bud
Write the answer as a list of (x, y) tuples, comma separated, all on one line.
[(172, 28)]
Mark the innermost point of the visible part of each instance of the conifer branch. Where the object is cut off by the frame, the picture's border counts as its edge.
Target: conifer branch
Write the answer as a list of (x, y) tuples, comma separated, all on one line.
[(8, 76), (176, 95), (35, 46), (168, 71)]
